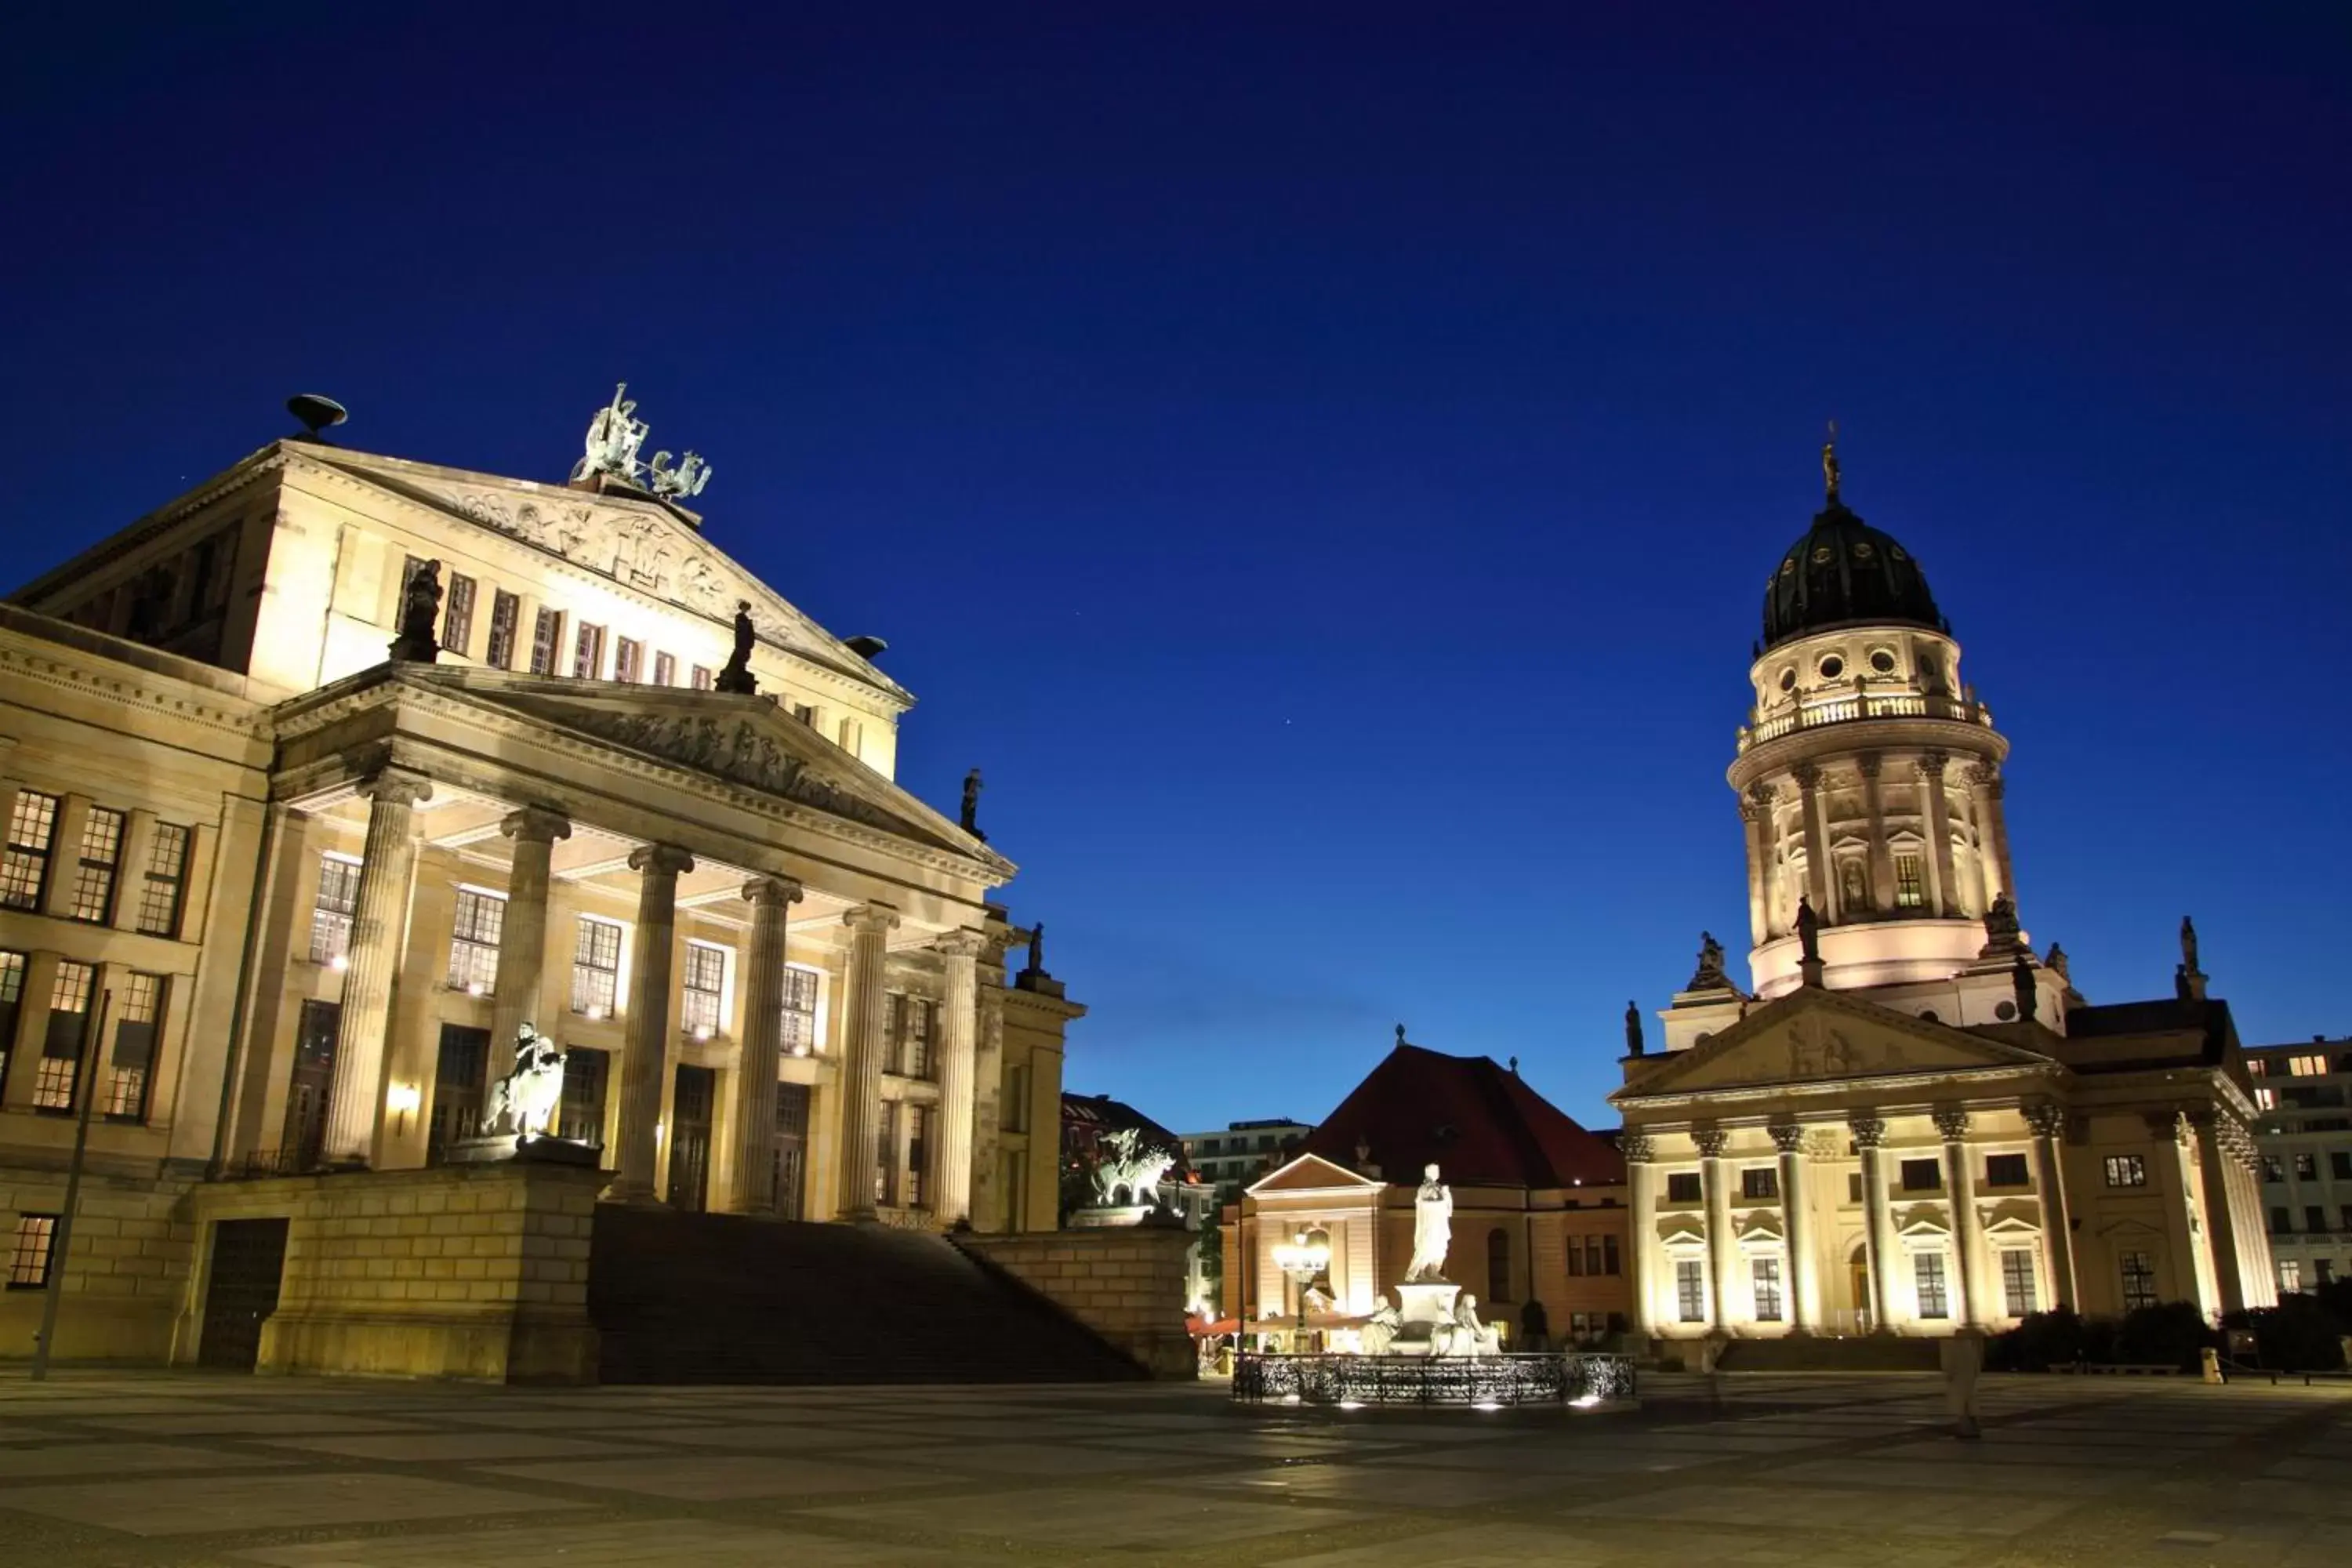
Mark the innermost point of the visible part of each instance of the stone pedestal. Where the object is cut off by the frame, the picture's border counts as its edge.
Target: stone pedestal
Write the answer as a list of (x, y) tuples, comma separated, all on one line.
[(493, 1147), (1423, 1304), (1109, 1218)]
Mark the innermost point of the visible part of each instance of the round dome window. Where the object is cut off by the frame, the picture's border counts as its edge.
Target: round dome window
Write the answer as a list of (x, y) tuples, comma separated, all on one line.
[(1824, 555), (1883, 661), (1862, 551), (1788, 680), (1832, 666), (2005, 1011)]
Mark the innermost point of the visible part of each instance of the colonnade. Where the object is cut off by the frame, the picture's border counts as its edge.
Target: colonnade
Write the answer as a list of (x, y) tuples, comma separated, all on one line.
[(356, 1101)]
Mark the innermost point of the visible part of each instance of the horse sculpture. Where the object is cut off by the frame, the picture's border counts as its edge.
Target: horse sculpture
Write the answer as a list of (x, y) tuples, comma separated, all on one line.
[(524, 1102), (1125, 1165)]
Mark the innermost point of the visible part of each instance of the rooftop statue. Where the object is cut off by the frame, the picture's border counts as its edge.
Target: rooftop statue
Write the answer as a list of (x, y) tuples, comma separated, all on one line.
[(969, 819), (1633, 1030), (736, 676), (2189, 944), (1432, 1227), (1709, 973), (613, 437), (1808, 930), (683, 482)]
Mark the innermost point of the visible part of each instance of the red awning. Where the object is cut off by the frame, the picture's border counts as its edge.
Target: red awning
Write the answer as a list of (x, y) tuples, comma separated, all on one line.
[(1203, 1327)]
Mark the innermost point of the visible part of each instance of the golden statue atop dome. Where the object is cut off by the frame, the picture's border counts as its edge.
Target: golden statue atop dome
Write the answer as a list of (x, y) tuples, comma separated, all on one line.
[(1829, 463)]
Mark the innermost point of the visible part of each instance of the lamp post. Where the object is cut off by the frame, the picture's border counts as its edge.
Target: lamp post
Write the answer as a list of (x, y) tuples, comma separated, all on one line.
[(1303, 1259)]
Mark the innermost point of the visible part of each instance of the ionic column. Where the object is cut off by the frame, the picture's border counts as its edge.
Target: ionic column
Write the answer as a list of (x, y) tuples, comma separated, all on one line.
[(2049, 1124), (1877, 1223), (1952, 1125), (1751, 815), (2220, 1221), (1945, 894), (959, 1015), (1796, 1226), (988, 1198), (1721, 1254), (1641, 1191), (1882, 858), (861, 1077), (523, 938), (754, 1185), (1984, 791), (379, 919), (646, 1067), (1818, 880)]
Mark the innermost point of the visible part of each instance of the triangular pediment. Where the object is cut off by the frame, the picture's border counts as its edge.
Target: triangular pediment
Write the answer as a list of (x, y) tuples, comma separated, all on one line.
[(1309, 1173), (1812, 1037), (638, 541), (747, 741)]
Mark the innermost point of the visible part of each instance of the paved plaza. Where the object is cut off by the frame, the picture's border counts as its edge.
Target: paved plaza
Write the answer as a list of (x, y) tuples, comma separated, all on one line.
[(180, 1470)]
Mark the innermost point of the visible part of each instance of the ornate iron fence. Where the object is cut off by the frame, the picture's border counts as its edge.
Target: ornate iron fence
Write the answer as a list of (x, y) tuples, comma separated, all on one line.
[(1536, 1378)]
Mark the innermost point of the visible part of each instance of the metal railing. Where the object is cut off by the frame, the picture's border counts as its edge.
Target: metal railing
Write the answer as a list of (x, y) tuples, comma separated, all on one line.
[(1865, 705), (1551, 1377)]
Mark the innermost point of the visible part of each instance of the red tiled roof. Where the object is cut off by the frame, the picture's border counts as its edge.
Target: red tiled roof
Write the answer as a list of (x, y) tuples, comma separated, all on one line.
[(1478, 1122)]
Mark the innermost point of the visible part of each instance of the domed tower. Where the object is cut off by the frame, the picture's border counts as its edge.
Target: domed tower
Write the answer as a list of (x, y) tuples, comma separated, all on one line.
[(1868, 774)]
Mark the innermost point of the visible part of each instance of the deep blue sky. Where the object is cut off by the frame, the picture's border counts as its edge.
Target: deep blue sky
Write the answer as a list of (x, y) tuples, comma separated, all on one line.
[(1323, 462)]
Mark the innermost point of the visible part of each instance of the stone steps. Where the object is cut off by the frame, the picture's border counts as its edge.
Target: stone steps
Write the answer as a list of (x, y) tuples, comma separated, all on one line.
[(702, 1298)]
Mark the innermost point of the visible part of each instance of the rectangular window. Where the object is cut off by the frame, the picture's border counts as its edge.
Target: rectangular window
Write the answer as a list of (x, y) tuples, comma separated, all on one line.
[(581, 1116), (2265, 1099), (1923, 1176), (2309, 1066), (2306, 1167), (2257, 1067), (703, 1010), (2272, 1171), (1910, 893), (1759, 1182), (1609, 1255), (628, 660), (1575, 1257), (330, 917), (2017, 1283), (167, 874), (1690, 1291), (1853, 1186), (798, 1036), (1765, 1275), (474, 941), (588, 652), (885, 1156), (918, 1156), (2322, 1272), (1683, 1187), (2339, 1166), (28, 1252), (2315, 1218), (596, 968), (2126, 1171), (665, 669), (701, 677), (505, 609), (2290, 1273), (12, 1001), (907, 1035), (2005, 1170), (1927, 1273), (2280, 1224), (458, 615), (804, 713), (60, 1075), (101, 854), (25, 872), (546, 635), (131, 1067), (2139, 1281), (2345, 1214)]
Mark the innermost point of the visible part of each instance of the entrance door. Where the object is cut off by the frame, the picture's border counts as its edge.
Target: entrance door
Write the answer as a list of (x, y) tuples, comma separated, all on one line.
[(791, 1147), (690, 1138), (306, 1093), (249, 1257), (457, 1088)]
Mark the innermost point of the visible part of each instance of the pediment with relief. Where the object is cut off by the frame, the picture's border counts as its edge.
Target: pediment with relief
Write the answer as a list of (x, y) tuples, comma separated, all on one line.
[(1810, 1036), (1312, 1172)]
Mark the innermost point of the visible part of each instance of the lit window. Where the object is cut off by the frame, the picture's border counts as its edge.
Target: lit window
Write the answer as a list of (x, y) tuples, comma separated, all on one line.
[(474, 941), (167, 875), (798, 1035), (580, 1117), (61, 1076), (2290, 1273), (505, 610), (2272, 1171), (907, 1040), (12, 998), (2126, 1171), (2266, 1099), (665, 669), (596, 968), (546, 635), (101, 853), (703, 1010), (1690, 1291), (1910, 893), (1766, 1272), (2139, 1281), (2311, 1066), (330, 917), (628, 660), (28, 1255), (457, 614), (2256, 1067), (2017, 1283), (918, 1156), (701, 677), (886, 1156), (1927, 1272), (132, 1068), (32, 825), (588, 652), (2306, 1167)]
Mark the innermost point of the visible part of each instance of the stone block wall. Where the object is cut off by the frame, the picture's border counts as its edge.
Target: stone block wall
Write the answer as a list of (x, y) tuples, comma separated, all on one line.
[(1126, 1284), (126, 1266), (464, 1271)]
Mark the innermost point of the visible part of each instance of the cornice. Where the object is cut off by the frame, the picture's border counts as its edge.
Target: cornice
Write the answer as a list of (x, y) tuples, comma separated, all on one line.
[(1877, 1087), (1827, 742), (131, 687)]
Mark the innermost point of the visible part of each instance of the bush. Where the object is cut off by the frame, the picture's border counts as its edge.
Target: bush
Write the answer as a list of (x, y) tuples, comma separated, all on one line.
[(2299, 1334), (2040, 1342), (2170, 1335)]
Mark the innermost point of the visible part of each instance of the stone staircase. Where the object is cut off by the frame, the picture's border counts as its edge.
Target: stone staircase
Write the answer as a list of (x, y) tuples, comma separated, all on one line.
[(704, 1299)]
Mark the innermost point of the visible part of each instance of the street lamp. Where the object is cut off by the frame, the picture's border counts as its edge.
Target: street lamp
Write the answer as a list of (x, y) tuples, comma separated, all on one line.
[(1304, 1259)]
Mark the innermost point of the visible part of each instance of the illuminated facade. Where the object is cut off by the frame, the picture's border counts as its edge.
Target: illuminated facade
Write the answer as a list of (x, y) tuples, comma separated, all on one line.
[(2304, 1094), (323, 887), (1916, 1123)]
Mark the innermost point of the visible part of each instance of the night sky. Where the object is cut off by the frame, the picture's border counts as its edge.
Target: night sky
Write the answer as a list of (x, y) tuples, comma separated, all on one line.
[(1323, 462)]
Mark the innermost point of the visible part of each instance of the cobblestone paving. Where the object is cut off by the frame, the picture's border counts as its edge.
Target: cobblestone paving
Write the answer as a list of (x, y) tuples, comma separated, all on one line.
[(1826, 1473)]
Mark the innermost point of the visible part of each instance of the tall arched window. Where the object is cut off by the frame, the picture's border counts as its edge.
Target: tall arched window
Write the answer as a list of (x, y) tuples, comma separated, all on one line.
[(1499, 1265)]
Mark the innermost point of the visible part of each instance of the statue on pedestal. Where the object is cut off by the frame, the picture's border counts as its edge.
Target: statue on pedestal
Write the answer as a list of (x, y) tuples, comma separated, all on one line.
[(1708, 975), (420, 610), (970, 818), (525, 1101), (1379, 1330), (736, 676), (1465, 1335), (1633, 1029), (613, 437), (1432, 1227)]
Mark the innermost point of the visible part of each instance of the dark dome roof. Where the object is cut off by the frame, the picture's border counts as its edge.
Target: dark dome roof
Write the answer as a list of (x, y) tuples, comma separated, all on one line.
[(1843, 573)]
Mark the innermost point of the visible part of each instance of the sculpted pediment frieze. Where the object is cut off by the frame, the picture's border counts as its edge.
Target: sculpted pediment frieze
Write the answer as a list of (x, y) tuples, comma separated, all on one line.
[(1806, 1038)]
